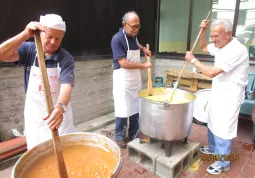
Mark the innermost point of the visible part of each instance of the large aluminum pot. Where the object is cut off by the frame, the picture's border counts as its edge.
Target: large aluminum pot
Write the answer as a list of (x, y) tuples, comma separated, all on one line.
[(163, 121), (78, 138)]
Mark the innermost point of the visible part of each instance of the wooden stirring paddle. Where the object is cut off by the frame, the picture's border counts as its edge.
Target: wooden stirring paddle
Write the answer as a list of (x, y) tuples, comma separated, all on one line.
[(149, 75), (180, 74), (55, 136)]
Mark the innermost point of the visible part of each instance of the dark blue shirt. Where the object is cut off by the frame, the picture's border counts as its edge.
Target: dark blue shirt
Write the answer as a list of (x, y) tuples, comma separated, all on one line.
[(119, 47), (27, 53)]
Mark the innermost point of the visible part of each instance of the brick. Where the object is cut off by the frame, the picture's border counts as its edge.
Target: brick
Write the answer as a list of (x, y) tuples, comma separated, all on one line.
[(247, 172), (171, 167), (237, 166)]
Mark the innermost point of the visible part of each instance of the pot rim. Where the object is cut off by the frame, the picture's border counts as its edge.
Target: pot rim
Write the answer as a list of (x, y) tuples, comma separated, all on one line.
[(115, 171), (163, 103)]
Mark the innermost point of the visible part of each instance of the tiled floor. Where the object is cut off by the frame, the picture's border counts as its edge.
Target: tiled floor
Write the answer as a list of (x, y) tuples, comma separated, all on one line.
[(244, 168)]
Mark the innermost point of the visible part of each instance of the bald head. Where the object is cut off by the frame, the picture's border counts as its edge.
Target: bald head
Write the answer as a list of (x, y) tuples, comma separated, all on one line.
[(131, 23), (130, 16)]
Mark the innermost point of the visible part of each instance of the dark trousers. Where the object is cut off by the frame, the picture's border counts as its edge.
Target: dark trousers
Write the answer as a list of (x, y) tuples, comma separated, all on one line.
[(121, 125)]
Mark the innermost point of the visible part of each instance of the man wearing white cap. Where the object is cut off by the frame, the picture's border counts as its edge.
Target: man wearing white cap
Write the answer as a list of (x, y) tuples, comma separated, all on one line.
[(60, 69)]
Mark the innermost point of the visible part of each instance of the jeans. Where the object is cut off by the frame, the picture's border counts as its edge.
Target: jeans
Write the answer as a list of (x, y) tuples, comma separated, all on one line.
[(121, 126), (219, 146)]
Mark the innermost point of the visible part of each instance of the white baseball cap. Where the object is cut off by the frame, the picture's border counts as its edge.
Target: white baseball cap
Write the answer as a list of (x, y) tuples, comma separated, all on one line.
[(53, 21)]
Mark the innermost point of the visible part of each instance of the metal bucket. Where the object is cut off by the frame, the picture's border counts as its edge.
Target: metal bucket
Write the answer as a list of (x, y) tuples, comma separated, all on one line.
[(163, 121), (78, 138)]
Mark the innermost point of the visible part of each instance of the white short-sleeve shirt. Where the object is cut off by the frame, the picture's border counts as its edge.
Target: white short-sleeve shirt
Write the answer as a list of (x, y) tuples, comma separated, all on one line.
[(233, 59)]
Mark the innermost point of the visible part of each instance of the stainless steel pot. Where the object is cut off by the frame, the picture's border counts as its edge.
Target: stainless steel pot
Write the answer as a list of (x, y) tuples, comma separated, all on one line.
[(163, 121), (79, 138)]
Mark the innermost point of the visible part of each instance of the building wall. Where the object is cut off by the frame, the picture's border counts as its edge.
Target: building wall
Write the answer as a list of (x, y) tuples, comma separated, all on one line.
[(91, 96)]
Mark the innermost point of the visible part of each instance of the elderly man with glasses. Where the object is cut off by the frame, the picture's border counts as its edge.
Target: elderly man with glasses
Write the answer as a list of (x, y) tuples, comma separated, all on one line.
[(60, 69), (229, 79), (127, 76)]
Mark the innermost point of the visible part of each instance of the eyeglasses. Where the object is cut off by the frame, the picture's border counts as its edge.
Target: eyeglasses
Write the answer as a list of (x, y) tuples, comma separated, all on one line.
[(134, 26), (214, 36)]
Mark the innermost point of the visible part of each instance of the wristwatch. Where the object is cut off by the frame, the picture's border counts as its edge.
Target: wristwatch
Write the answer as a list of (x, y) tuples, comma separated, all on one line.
[(63, 106), (193, 60)]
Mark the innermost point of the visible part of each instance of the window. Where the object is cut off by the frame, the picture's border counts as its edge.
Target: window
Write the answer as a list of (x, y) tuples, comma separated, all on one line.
[(245, 30), (215, 1), (173, 31), (175, 34), (222, 9), (214, 15), (242, 17)]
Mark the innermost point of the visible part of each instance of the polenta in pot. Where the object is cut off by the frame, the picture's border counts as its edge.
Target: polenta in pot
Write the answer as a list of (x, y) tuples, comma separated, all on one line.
[(82, 161), (162, 95)]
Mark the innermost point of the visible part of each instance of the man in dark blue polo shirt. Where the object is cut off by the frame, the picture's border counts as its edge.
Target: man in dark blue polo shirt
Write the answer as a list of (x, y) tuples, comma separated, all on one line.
[(60, 70), (127, 76)]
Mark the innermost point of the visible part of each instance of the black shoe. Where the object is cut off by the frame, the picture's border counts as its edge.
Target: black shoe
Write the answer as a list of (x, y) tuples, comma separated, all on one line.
[(122, 144)]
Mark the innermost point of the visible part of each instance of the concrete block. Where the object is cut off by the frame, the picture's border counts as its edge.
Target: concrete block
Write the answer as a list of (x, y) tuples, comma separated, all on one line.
[(194, 148), (144, 153), (171, 167)]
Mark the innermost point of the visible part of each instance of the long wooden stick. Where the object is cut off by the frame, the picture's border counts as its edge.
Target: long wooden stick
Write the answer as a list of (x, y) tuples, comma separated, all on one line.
[(184, 66), (149, 75), (49, 104)]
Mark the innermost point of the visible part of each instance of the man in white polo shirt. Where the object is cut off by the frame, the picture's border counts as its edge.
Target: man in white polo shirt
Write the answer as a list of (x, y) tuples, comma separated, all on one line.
[(230, 77)]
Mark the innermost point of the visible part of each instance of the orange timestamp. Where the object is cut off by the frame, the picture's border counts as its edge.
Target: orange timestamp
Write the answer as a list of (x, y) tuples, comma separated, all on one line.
[(226, 157)]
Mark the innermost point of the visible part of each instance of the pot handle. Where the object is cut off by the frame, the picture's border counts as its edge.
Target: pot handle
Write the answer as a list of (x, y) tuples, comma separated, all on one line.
[(167, 106)]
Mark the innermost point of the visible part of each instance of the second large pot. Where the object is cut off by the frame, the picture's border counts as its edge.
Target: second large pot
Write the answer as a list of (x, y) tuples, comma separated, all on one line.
[(79, 138), (168, 122)]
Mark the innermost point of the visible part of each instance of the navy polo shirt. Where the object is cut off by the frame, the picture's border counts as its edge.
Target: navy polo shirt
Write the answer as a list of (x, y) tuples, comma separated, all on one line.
[(27, 53), (119, 47)]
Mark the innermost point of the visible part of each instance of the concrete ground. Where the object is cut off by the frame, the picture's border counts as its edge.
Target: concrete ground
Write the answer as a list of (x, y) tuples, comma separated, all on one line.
[(243, 168)]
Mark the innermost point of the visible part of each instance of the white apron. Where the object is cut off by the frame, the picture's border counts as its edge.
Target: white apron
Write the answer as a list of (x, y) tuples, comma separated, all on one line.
[(126, 86), (36, 129), (226, 98)]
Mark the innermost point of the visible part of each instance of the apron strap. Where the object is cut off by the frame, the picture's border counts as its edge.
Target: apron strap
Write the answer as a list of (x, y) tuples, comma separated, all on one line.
[(127, 41), (35, 59), (137, 42)]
